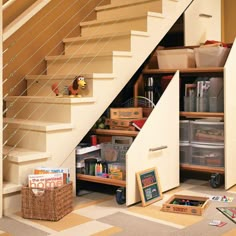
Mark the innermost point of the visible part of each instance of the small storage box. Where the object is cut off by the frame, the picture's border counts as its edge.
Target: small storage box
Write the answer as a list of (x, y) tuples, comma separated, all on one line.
[(184, 131), (207, 132), (116, 150), (211, 56), (175, 58), (184, 153), (184, 204), (207, 155), (87, 152), (126, 113), (49, 204)]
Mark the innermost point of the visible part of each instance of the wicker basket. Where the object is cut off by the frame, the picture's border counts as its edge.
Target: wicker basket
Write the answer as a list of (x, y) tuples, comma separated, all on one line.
[(51, 204)]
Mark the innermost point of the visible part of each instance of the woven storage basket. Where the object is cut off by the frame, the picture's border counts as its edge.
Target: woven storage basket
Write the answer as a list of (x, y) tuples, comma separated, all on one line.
[(52, 204)]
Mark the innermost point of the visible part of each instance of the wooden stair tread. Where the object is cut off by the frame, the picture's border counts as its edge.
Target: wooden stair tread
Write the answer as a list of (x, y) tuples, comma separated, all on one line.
[(120, 4), (103, 36), (10, 187), (111, 20), (51, 99), (70, 77), (17, 154), (90, 55), (37, 125)]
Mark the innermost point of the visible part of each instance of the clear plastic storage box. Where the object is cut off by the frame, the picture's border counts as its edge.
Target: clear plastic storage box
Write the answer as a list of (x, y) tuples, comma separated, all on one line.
[(184, 153), (184, 130), (207, 132), (211, 56), (175, 58), (207, 155)]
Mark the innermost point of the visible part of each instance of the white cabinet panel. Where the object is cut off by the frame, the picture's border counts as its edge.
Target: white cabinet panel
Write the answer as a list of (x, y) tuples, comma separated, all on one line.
[(202, 21), (230, 118), (160, 129)]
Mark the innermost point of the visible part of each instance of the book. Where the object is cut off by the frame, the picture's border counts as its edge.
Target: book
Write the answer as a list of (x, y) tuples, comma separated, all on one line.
[(43, 181), (48, 170)]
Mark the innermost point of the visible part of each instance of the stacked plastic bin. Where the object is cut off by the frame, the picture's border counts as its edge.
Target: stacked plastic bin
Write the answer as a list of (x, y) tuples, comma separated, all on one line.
[(202, 142)]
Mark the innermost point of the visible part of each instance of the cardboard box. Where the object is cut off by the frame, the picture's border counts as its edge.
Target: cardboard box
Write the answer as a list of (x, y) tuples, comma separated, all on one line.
[(185, 204), (126, 113), (122, 122), (128, 128)]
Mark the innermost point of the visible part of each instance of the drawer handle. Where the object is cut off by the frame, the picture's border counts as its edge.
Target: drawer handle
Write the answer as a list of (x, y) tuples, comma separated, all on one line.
[(157, 148), (205, 15)]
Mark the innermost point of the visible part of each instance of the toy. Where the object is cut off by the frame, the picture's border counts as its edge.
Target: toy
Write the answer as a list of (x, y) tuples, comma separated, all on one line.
[(184, 204), (71, 90)]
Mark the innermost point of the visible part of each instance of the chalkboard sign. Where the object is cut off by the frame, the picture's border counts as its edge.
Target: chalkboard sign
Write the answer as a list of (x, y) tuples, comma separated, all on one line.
[(149, 186)]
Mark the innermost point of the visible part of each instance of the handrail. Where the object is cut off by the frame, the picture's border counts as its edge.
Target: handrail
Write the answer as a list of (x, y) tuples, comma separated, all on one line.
[(23, 18)]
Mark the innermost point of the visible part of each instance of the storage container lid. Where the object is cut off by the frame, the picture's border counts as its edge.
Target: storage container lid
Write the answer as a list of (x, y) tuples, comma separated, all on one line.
[(217, 146), (174, 51)]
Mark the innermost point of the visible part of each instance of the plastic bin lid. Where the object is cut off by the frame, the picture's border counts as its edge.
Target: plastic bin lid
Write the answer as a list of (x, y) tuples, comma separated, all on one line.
[(174, 51)]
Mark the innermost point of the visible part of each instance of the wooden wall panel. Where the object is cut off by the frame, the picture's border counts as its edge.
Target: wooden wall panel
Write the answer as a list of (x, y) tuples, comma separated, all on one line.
[(25, 50)]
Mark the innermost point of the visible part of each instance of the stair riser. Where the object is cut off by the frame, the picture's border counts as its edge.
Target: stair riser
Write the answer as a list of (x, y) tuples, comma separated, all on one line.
[(135, 10), (11, 203), (40, 111), (17, 173), (114, 43), (80, 66), (25, 138), (116, 26), (43, 87), (42, 141)]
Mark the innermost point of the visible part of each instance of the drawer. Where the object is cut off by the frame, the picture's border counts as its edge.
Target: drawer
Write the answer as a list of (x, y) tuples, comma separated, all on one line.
[(207, 155), (184, 130), (207, 132), (184, 153)]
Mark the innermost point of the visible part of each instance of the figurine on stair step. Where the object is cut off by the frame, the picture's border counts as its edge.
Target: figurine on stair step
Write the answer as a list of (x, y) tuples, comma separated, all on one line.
[(71, 90)]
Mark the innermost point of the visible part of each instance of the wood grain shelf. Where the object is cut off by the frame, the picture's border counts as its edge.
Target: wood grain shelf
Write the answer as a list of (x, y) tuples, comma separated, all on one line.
[(199, 168), (111, 132), (201, 114), (96, 179), (211, 71)]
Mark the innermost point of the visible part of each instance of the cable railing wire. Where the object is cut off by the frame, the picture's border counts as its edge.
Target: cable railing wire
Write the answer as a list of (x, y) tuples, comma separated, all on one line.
[(85, 56)]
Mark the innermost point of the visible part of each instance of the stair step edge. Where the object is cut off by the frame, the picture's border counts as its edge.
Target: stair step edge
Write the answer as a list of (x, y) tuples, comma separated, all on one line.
[(90, 55), (118, 5), (111, 20), (99, 36), (50, 99), (9, 187), (20, 155), (37, 125), (70, 77)]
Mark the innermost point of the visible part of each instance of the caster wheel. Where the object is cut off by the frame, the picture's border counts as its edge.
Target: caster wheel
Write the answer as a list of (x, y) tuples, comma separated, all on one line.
[(120, 196), (215, 180)]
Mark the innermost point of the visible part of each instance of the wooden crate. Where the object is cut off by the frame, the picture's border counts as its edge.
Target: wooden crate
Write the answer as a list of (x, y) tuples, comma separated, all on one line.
[(185, 204), (126, 113)]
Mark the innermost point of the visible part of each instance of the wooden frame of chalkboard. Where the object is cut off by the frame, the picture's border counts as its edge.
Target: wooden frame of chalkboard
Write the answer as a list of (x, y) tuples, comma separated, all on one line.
[(149, 186)]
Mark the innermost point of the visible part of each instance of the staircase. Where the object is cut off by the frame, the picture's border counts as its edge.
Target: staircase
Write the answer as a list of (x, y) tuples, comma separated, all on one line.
[(42, 129)]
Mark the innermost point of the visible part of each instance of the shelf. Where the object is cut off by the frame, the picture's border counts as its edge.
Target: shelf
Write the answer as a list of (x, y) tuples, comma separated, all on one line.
[(211, 71), (116, 132), (201, 114), (95, 179), (207, 169)]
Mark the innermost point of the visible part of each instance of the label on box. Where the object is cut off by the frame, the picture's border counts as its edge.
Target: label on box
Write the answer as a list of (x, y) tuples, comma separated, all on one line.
[(128, 113)]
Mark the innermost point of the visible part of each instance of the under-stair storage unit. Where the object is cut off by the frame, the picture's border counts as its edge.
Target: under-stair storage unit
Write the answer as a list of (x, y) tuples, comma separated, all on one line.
[(155, 145), (53, 125), (223, 146)]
